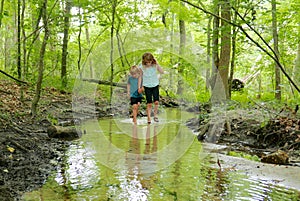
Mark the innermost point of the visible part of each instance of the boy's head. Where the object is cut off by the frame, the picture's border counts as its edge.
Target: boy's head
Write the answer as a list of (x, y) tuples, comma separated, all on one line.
[(135, 71)]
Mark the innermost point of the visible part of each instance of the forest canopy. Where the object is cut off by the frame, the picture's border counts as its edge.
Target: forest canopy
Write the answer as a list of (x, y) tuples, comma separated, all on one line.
[(204, 46)]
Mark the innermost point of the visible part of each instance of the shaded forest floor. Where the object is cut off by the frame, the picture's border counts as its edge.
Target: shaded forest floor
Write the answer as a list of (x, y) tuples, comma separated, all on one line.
[(28, 155)]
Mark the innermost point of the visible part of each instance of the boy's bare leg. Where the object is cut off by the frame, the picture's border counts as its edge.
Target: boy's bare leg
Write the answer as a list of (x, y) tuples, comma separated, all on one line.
[(134, 112), (149, 107)]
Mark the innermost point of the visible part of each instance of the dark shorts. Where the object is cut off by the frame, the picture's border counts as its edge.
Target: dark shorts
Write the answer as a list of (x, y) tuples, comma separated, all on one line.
[(152, 94), (135, 100)]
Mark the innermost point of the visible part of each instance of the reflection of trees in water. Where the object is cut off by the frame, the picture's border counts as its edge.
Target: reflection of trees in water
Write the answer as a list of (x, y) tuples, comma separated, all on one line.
[(215, 183)]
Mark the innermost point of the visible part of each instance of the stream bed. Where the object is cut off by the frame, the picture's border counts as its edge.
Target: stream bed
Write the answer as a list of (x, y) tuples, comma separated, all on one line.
[(116, 160)]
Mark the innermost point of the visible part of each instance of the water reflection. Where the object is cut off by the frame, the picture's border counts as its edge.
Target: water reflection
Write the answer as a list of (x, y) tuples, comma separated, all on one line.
[(150, 164), (133, 185)]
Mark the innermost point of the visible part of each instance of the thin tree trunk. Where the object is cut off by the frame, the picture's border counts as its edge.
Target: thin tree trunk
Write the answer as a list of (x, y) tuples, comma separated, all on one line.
[(275, 39), (25, 68), (181, 52), (65, 44), (87, 33), (296, 69), (208, 50), (232, 63), (19, 40), (215, 45), (114, 5), (41, 61), (79, 45), (1, 11)]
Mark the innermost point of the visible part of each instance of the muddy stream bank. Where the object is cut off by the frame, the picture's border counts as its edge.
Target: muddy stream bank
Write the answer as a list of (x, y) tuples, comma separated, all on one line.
[(28, 155)]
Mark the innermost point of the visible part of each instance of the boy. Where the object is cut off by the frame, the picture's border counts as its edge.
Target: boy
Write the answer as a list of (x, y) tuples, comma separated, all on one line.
[(134, 91)]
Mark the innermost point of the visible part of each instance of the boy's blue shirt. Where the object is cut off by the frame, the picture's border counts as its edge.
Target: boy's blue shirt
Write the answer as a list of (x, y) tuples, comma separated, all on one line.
[(133, 82)]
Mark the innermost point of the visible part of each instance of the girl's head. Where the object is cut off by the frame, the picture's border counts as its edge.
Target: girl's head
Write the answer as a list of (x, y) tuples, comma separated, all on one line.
[(135, 71), (148, 59)]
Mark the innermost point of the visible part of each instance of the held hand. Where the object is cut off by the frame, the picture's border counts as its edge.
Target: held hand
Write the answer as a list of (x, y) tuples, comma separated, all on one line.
[(141, 90)]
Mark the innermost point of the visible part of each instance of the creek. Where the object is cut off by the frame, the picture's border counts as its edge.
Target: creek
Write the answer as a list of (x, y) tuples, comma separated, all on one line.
[(116, 160)]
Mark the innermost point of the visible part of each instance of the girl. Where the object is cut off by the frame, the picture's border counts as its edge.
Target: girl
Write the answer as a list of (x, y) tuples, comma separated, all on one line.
[(150, 68)]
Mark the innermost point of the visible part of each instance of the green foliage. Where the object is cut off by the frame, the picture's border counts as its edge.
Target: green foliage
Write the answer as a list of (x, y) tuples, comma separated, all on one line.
[(52, 119), (55, 82), (244, 155), (5, 116), (90, 29)]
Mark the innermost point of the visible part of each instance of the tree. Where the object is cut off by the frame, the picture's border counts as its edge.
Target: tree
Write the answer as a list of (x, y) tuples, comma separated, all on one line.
[(276, 51), (113, 13), (225, 45), (296, 68), (221, 52), (182, 31), (1, 11), (67, 16), (41, 60)]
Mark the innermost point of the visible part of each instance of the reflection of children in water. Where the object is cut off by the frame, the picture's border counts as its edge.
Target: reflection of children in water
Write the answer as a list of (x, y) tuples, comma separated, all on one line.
[(148, 140), (140, 163), (134, 154)]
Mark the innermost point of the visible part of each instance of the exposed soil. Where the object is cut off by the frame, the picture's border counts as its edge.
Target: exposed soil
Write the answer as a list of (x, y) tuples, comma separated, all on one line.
[(257, 131), (28, 155)]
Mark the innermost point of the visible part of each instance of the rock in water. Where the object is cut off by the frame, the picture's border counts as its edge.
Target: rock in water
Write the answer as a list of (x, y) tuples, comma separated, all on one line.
[(279, 157), (69, 133)]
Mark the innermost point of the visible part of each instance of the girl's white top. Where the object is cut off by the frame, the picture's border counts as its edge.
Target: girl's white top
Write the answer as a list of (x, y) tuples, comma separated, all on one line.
[(150, 78)]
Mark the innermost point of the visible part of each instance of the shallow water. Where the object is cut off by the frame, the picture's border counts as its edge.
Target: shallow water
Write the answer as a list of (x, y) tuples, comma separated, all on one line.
[(116, 160)]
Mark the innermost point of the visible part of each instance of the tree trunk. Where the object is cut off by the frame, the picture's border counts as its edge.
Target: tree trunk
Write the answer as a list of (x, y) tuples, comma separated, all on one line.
[(296, 69), (215, 45), (65, 44), (276, 51), (114, 5), (90, 61), (24, 63), (79, 45), (208, 51), (1, 11), (41, 61), (181, 52), (232, 64), (19, 40), (225, 46)]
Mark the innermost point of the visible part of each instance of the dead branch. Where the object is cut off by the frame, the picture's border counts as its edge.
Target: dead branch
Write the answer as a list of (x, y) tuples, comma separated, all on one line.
[(10, 76)]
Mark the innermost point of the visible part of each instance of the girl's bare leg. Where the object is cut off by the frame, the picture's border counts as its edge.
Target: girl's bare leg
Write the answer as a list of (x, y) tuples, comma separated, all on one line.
[(156, 103), (149, 107)]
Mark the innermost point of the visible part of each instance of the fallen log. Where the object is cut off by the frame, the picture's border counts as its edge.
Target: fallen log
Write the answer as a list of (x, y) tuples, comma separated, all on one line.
[(103, 82), (69, 133)]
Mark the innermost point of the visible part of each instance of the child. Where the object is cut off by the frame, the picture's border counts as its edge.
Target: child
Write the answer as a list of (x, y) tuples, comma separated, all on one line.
[(151, 83), (133, 91)]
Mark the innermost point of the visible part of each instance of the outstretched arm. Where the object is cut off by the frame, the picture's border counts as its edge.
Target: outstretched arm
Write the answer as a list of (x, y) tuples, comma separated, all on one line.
[(159, 68)]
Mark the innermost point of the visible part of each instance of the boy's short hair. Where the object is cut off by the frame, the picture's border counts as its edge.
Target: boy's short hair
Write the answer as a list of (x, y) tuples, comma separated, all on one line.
[(135, 70)]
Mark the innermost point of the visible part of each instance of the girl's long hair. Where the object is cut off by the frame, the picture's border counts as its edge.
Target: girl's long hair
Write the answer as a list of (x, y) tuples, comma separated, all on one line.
[(148, 57)]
